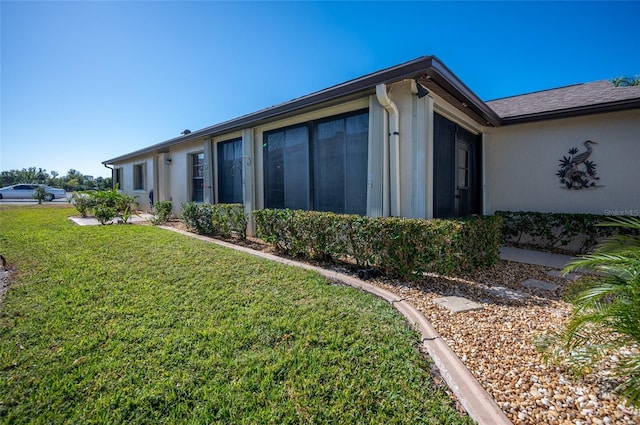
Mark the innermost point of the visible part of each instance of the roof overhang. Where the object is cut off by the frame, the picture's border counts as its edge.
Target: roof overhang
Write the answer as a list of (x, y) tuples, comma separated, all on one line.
[(598, 108), (427, 70)]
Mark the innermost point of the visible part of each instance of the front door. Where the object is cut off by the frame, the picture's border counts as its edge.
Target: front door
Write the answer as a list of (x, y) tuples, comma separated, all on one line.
[(456, 170)]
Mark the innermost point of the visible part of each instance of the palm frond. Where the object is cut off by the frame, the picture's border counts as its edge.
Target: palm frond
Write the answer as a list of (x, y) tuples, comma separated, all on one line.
[(606, 312), (628, 222)]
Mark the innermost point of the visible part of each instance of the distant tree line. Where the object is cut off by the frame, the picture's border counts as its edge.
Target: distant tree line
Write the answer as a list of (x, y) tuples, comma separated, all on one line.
[(74, 181)]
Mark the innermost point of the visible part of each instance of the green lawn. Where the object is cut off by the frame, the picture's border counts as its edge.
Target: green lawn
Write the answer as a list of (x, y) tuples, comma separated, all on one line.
[(133, 324)]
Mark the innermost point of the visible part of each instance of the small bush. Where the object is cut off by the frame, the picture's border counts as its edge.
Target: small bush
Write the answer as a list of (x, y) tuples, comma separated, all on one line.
[(103, 213), (161, 213), (401, 247), (215, 220), (229, 219), (103, 202), (573, 233), (83, 203)]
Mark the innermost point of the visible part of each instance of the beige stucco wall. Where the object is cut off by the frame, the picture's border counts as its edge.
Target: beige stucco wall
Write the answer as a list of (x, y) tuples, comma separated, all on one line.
[(522, 160), (141, 196), (180, 172)]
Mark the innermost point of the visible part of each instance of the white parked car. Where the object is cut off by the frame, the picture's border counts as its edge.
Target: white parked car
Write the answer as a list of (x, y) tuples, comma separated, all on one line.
[(25, 191)]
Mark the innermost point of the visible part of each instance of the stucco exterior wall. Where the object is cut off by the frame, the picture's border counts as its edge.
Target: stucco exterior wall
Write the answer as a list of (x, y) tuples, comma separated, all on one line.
[(141, 196), (180, 172), (522, 161)]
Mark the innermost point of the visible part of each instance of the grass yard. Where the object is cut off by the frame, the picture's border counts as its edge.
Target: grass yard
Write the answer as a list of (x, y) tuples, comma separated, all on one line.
[(133, 324)]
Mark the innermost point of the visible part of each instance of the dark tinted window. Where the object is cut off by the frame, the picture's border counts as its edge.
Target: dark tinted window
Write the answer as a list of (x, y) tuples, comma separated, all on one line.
[(197, 179), (319, 165), (230, 171), (286, 157), (340, 165)]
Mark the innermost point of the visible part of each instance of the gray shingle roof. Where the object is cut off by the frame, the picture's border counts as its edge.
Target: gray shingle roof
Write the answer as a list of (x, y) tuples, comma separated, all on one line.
[(578, 96)]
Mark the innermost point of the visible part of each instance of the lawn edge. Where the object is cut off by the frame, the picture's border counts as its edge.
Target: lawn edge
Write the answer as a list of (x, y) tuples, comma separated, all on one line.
[(477, 402)]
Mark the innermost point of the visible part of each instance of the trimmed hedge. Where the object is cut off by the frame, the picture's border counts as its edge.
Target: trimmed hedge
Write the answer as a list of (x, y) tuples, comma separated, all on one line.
[(215, 220), (573, 233), (400, 247)]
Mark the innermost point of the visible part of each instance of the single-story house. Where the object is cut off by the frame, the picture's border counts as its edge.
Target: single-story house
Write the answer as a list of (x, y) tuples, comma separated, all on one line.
[(412, 141)]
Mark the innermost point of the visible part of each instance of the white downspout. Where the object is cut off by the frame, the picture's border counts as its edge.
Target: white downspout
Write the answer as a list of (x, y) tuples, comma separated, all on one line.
[(392, 154)]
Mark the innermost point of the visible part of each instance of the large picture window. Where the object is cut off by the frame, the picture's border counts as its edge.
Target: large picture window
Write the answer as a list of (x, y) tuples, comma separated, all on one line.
[(197, 177), (340, 165), (230, 172), (319, 165), (287, 168)]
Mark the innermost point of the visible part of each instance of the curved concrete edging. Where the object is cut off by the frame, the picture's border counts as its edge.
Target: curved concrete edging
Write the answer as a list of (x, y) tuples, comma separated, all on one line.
[(472, 396)]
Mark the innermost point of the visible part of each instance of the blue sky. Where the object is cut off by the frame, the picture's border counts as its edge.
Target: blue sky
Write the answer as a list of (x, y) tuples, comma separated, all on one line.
[(83, 82)]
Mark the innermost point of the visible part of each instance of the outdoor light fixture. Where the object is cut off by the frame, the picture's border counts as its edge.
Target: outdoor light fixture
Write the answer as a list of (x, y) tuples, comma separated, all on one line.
[(168, 160), (422, 91)]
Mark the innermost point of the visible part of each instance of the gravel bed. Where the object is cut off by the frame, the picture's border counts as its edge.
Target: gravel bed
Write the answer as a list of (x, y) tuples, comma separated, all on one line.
[(496, 343)]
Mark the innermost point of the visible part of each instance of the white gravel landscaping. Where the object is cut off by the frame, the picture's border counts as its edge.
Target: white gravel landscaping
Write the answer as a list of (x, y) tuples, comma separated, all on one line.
[(496, 343)]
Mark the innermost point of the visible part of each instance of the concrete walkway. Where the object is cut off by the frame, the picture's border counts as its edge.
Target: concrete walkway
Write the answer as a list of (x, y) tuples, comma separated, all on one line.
[(547, 259), (91, 221)]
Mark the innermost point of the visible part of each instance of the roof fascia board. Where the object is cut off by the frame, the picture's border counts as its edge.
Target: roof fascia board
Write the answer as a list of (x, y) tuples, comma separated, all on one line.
[(622, 105), (447, 79), (347, 88), (425, 65)]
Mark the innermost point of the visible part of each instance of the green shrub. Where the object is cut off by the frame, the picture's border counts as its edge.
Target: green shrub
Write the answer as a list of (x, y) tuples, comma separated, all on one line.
[(401, 247), (103, 213), (161, 213), (83, 203), (198, 217), (230, 219), (103, 202), (574, 233), (215, 220)]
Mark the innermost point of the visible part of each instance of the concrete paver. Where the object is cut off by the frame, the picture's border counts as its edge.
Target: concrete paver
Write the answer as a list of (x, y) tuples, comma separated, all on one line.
[(546, 286), (457, 304), (508, 293)]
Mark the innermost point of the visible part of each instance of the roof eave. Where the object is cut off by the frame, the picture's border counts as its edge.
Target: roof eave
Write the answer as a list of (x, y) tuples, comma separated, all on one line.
[(447, 79), (600, 108), (425, 65)]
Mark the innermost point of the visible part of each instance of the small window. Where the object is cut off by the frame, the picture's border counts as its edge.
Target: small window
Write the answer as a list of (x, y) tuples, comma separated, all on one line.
[(138, 176), (117, 178), (197, 177)]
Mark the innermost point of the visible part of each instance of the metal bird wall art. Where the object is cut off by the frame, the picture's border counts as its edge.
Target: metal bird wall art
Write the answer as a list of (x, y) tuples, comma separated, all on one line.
[(576, 170)]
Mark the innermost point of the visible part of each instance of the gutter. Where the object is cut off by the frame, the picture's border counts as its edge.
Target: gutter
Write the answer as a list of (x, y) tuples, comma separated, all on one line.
[(391, 167), (417, 68)]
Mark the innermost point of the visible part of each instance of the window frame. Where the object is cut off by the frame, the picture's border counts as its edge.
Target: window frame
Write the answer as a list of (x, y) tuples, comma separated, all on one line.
[(220, 171), (118, 177), (193, 178), (311, 127), (140, 177)]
